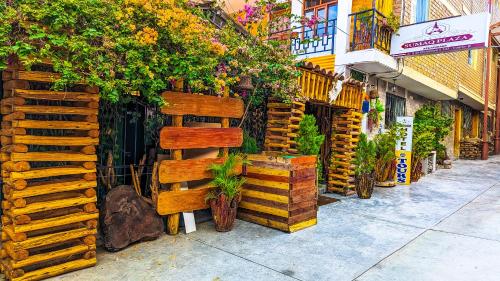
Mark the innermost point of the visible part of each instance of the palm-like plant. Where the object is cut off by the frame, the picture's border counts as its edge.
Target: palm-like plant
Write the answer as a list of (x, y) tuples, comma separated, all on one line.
[(225, 180), (225, 195)]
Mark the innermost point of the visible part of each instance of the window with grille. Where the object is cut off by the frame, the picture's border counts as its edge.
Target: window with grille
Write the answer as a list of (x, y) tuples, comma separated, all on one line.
[(394, 106), (325, 11)]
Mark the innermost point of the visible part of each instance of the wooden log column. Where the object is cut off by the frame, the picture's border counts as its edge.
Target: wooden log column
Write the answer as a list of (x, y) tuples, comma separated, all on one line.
[(49, 208)]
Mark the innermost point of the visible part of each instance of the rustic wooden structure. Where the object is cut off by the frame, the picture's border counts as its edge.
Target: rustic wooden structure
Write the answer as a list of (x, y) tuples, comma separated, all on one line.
[(347, 128), (280, 192), (178, 138), (49, 173), (317, 87), (282, 126)]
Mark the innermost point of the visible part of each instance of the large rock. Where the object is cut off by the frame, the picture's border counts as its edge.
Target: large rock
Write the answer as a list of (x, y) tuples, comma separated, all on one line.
[(127, 218)]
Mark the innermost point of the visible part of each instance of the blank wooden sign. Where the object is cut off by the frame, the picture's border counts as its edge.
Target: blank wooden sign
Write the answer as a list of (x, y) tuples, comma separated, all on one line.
[(190, 104), (187, 138)]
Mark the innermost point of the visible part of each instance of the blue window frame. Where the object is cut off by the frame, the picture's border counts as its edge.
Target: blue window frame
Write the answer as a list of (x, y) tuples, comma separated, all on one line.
[(422, 10)]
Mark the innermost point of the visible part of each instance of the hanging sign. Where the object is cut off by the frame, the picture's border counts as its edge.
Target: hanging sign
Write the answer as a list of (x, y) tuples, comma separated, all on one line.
[(403, 151), (440, 36)]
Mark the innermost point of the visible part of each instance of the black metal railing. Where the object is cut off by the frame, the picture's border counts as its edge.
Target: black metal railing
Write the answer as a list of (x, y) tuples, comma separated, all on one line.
[(370, 31), (304, 40)]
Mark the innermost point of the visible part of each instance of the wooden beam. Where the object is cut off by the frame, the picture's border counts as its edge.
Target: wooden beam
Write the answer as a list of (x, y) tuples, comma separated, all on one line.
[(52, 156), (54, 186), (46, 109), (49, 140), (54, 95)]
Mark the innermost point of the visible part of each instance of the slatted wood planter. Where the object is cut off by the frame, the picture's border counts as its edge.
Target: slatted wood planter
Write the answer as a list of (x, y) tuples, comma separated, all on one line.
[(346, 131), (49, 172), (280, 192), (282, 126), (179, 138)]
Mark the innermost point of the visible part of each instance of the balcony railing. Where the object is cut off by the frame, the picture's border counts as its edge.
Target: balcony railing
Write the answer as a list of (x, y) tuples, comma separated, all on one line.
[(370, 31), (305, 40)]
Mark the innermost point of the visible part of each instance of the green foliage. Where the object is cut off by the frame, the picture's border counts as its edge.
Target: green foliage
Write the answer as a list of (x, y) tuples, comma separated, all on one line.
[(422, 145), (375, 113), (432, 126), (309, 139), (224, 180), (393, 22), (366, 154), (386, 144), (249, 145), (125, 46)]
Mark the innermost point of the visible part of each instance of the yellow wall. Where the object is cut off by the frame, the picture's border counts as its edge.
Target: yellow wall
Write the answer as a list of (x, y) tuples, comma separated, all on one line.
[(326, 62), (383, 6)]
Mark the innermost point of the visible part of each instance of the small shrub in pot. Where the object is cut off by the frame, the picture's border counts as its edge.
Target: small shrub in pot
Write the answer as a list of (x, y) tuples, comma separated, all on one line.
[(364, 160), (226, 193)]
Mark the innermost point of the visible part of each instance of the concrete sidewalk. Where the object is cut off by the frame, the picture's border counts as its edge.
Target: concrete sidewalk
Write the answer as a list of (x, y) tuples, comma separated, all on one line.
[(445, 227)]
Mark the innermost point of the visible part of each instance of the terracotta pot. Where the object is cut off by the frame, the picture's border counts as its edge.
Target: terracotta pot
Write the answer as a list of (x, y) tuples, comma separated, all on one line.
[(224, 212), (364, 185)]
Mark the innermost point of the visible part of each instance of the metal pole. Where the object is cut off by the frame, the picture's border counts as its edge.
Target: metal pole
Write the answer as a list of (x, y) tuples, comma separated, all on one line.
[(484, 155), (497, 111), (485, 151)]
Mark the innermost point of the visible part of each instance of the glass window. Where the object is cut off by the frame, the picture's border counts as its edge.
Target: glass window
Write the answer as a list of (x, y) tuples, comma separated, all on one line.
[(332, 12), (320, 28), (395, 106), (326, 13), (422, 10)]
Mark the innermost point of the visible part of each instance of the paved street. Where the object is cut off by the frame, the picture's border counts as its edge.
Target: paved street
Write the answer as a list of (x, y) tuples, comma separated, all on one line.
[(445, 227)]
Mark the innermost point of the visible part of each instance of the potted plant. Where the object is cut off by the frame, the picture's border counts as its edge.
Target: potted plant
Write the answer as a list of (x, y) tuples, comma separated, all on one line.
[(309, 140), (225, 195), (430, 128), (375, 114), (385, 164), (365, 165)]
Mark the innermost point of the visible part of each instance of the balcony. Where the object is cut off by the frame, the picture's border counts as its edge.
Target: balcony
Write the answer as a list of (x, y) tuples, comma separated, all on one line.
[(308, 41), (370, 31)]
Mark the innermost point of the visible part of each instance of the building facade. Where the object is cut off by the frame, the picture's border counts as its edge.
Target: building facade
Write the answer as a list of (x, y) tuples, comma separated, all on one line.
[(352, 38)]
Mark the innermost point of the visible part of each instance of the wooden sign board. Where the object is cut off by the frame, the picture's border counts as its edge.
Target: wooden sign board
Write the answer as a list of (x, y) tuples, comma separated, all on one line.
[(188, 138), (188, 170), (191, 104), (172, 202)]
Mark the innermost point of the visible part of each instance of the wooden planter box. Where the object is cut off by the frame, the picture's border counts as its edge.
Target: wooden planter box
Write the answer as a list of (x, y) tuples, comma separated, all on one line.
[(280, 192)]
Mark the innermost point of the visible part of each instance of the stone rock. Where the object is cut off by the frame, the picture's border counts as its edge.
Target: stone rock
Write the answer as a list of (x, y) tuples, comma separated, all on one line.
[(127, 218)]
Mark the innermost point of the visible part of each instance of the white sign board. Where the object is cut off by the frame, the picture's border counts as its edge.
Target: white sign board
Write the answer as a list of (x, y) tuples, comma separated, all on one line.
[(403, 151), (440, 36)]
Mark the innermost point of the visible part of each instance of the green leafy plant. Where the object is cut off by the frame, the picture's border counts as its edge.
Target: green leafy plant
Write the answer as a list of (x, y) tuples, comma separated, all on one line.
[(309, 139), (365, 156), (249, 145), (430, 127), (375, 114), (225, 181), (393, 22), (129, 46), (385, 144)]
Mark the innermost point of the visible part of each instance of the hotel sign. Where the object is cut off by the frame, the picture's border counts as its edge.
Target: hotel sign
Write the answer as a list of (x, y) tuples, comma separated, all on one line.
[(440, 36), (403, 151)]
